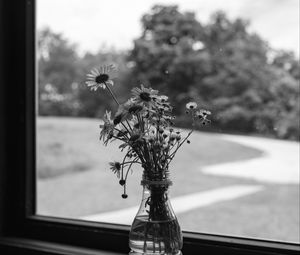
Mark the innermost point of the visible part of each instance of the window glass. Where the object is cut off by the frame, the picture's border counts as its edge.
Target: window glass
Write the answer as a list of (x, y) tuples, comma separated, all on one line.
[(239, 176)]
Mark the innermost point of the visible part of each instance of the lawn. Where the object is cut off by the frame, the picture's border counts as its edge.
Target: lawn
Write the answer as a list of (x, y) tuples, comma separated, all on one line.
[(74, 180)]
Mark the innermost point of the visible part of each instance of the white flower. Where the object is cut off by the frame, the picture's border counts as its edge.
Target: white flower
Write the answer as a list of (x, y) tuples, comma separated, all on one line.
[(144, 95), (126, 110), (100, 78), (163, 98), (191, 105), (202, 114)]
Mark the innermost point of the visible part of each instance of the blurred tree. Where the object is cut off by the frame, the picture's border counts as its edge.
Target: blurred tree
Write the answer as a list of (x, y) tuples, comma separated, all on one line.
[(286, 90), (249, 87), (58, 61), (165, 56), (239, 81), (58, 74), (288, 62), (219, 64)]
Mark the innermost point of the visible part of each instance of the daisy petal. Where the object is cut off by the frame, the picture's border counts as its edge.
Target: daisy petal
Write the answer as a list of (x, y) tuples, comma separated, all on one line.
[(97, 71), (91, 82), (94, 72), (101, 69), (110, 82)]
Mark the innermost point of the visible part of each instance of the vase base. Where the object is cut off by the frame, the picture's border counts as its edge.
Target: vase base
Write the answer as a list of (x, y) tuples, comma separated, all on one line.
[(138, 253)]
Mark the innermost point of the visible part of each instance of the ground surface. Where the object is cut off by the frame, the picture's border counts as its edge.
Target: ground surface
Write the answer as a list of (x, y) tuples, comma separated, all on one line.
[(75, 181)]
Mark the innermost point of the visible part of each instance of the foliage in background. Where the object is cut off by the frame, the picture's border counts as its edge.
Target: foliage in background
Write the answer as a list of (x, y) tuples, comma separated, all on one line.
[(249, 87)]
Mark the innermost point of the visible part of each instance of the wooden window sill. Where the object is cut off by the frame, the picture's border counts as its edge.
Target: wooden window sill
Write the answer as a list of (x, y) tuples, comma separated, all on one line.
[(14, 245)]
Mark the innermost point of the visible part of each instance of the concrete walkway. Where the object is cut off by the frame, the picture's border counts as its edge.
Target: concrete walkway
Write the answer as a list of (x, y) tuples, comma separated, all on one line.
[(181, 204), (279, 164)]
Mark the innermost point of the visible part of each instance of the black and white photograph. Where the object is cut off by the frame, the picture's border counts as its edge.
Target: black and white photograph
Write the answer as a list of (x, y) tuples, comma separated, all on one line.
[(149, 127)]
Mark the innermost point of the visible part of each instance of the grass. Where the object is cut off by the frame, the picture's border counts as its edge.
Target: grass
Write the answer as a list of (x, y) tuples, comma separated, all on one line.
[(75, 180), (72, 145), (272, 214)]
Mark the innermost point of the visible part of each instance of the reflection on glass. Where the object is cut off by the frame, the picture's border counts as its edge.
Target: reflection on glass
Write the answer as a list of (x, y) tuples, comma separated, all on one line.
[(239, 176)]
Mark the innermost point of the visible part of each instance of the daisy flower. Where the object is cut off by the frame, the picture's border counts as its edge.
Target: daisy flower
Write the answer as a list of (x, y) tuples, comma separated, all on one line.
[(144, 95), (101, 77), (115, 167), (126, 110), (135, 109), (202, 115), (163, 104), (132, 107), (163, 98), (191, 106)]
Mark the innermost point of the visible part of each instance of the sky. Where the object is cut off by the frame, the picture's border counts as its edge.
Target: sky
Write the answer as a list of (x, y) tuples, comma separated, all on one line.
[(96, 24)]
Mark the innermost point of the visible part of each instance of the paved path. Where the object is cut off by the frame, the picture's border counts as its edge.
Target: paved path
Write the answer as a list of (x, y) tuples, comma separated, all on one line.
[(181, 204), (279, 164)]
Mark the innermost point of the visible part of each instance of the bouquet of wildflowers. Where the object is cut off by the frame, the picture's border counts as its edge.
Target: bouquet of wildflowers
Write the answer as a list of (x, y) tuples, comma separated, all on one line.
[(144, 126)]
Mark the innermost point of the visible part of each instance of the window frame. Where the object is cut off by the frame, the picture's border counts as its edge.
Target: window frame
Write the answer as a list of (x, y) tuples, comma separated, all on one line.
[(18, 176)]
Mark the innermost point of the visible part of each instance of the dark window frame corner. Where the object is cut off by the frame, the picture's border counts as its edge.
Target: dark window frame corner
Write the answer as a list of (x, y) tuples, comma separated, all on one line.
[(20, 228)]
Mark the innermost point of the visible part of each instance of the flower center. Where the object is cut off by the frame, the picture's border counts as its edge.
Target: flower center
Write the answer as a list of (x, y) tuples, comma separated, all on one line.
[(102, 78), (135, 109), (117, 119), (117, 165), (145, 96)]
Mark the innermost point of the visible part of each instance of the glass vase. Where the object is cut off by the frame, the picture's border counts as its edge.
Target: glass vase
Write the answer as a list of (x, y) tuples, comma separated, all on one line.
[(155, 229)]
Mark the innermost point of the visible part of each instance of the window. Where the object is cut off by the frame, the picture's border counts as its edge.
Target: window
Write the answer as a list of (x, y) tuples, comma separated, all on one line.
[(233, 177), (18, 170)]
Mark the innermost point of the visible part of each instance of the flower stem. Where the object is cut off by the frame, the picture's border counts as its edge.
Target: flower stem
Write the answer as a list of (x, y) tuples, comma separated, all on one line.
[(174, 152), (116, 100), (111, 93)]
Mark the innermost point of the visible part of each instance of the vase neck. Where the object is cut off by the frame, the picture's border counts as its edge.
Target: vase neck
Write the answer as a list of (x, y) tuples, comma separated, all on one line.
[(161, 183), (150, 178)]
